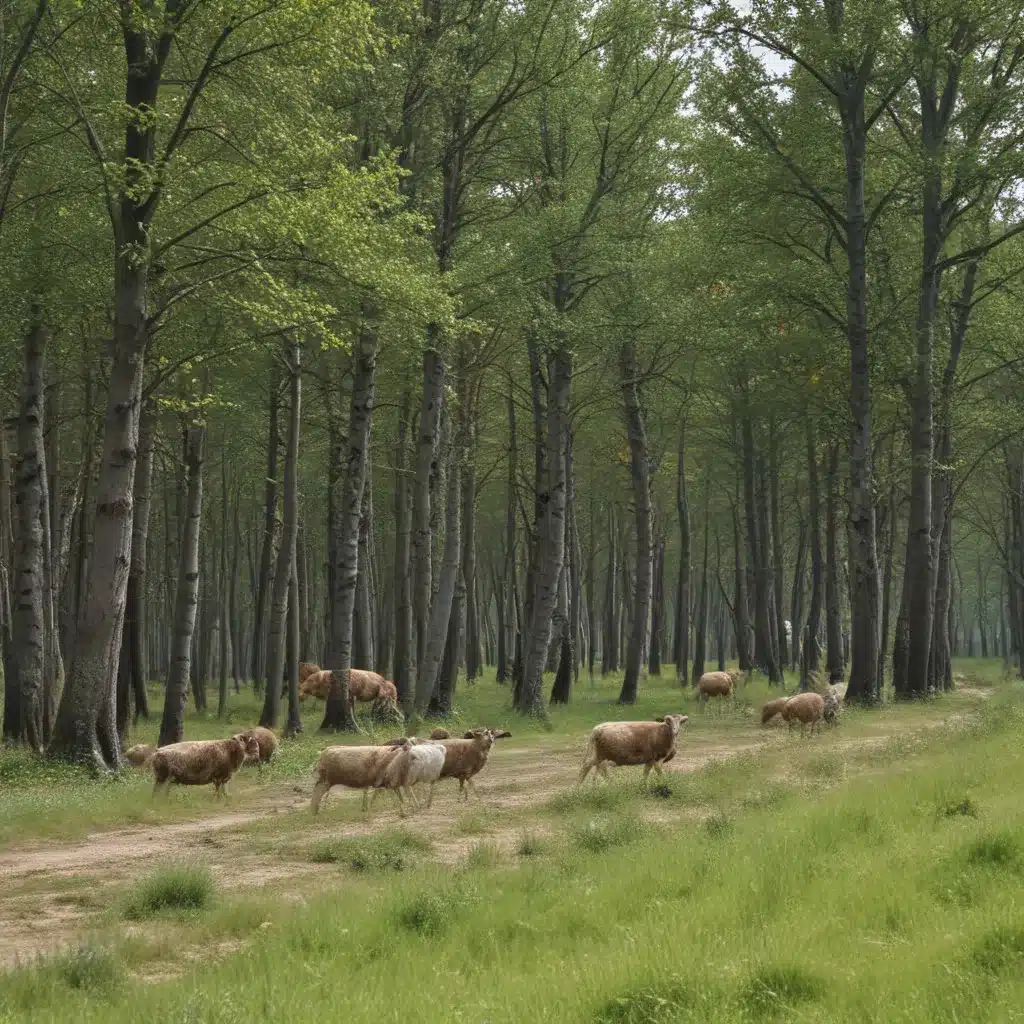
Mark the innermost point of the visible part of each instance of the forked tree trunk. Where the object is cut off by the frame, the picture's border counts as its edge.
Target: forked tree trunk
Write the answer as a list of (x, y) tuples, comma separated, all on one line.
[(172, 724), (286, 566), (338, 713)]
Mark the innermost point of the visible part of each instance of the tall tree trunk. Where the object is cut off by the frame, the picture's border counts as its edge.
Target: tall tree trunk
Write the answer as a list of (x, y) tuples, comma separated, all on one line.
[(700, 631), (258, 663), (134, 664), (657, 608), (338, 714), (472, 630), (890, 550), (610, 640), (222, 585), (286, 555), (172, 724), (782, 643), (796, 600), (740, 612), (402, 579), (441, 607), (550, 541), (362, 623), (833, 619), (682, 631), (233, 611), (592, 620), (508, 596), (293, 725), (29, 632), (811, 659), (422, 501), (639, 465)]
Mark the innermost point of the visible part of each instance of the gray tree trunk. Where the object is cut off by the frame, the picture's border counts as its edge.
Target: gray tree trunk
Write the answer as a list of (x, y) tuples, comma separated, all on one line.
[(172, 724), (833, 619), (259, 640), (403, 582), (683, 598)]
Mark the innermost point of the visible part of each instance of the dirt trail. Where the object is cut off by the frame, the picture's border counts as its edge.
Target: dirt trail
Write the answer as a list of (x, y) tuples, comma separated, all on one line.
[(52, 892)]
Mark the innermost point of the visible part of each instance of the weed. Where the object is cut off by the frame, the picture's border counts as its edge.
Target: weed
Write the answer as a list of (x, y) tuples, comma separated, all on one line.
[(170, 890), (774, 990)]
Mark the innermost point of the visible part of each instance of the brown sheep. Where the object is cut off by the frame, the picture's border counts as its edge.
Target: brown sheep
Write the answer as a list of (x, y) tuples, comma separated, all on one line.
[(265, 739), (716, 684), (355, 767), (651, 744), (363, 685), (306, 669), (139, 755), (805, 709), (772, 708), (831, 713), (467, 756), (200, 762)]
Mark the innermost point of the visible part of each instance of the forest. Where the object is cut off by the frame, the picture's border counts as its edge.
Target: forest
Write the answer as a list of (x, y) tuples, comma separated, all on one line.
[(573, 340)]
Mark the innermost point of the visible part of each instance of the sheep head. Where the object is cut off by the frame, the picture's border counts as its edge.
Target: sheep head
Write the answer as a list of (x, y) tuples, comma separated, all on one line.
[(250, 748), (674, 723)]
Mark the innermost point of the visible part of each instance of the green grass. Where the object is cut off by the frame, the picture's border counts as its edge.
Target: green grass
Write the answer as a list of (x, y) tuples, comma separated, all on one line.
[(855, 890), (170, 890)]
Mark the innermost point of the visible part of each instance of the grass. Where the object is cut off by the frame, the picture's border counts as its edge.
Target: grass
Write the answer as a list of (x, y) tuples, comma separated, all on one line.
[(170, 890), (810, 881)]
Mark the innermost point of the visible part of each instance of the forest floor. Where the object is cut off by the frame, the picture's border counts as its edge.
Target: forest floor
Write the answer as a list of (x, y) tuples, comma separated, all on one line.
[(74, 848)]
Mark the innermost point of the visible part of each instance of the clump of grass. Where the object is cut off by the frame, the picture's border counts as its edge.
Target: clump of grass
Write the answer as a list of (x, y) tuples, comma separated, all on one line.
[(473, 824), (483, 855), (774, 990), (1001, 850), (88, 968), (396, 850), (426, 914), (718, 825), (1000, 949), (964, 808), (600, 834), (661, 1003), (591, 798), (530, 845), (178, 890)]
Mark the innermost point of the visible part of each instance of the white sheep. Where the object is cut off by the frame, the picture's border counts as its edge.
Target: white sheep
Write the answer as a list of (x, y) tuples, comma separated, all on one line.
[(418, 761)]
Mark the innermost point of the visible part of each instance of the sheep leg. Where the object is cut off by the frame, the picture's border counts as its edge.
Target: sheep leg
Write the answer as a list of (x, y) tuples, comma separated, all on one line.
[(430, 796), (413, 797), (319, 793), (471, 788), (603, 769), (583, 774), (647, 771)]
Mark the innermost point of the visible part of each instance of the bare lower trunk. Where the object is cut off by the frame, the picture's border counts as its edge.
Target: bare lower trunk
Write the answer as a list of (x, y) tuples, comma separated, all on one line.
[(700, 630), (422, 500), (277, 628), (29, 628), (338, 713), (258, 663), (657, 608), (472, 629), (293, 725), (362, 622), (610, 639), (833, 621), (741, 621), (682, 631), (550, 534), (508, 594), (403, 581), (782, 642), (811, 657), (172, 725)]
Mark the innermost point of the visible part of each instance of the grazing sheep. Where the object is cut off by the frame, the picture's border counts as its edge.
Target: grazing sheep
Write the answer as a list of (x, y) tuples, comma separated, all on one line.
[(772, 708), (440, 734), (265, 739), (831, 712), (417, 761), (363, 685), (355, 767), (466, 757), (200, 762), (651, 744), (805, 709), (716, 684), (140, 754), (306, 669)]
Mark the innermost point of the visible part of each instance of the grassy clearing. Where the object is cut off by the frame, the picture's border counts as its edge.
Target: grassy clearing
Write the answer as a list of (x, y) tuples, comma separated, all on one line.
[(808, 882)]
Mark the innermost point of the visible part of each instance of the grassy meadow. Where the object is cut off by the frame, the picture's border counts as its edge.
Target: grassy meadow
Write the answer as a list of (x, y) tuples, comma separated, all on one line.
[(874, 873)]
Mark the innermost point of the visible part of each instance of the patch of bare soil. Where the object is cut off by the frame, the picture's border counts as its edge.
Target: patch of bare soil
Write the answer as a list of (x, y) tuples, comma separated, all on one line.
[(42, 910)]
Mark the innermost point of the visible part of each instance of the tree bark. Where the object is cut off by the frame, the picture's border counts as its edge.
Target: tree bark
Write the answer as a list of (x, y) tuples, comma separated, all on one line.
[(29, 629), (362, 623), (657, 608), (682, 632), (286, 554), (293, 724), (700, 631), (610, 640), (338, 713), (639, 464), (550, 534), (508, 595), (782, 642), (403, 581), (833, 620), (172, 724), (739, 611), (258, 663), (472, 628), (811, 659)]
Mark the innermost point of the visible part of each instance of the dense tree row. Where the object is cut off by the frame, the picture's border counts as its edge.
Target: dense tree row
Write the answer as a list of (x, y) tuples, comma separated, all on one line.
[(556, 337)]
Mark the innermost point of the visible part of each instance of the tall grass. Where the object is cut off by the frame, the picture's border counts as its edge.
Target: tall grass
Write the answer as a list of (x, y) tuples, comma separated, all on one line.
[(862, 901)]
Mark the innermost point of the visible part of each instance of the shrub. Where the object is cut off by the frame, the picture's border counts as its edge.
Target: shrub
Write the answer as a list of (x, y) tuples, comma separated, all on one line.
[(174, 889)]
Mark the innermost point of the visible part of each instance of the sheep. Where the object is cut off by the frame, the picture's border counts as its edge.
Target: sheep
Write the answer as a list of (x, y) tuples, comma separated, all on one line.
[(806, 708), (306, 669), (651, 744), (831, 712), (266, 741), (772, 708), (717, 684), (417, 761), (440, 734), (466, 757), (200, 762), (363, 685), (139, 755), (354, 767)]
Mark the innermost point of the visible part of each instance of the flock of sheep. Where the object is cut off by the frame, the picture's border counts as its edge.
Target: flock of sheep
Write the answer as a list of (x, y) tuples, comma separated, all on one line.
[(401, 764)]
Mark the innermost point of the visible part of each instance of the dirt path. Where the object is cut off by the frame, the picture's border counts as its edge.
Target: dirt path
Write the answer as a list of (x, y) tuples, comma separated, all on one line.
[(52, 893)]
